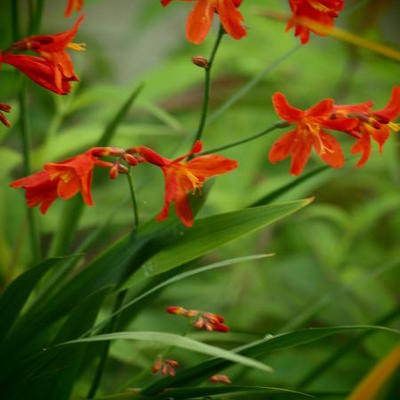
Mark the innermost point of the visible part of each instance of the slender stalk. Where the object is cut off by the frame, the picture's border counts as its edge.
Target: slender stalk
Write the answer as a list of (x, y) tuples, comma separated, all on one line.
[(278, 125), (207, 85), (38, 16), (133, 198), (26, 139), (104, 355), (118, 302)]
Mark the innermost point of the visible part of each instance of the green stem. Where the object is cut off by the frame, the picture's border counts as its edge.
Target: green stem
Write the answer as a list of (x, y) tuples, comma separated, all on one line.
[(26, 139), (38, 16), (207, 85), (278, 125), (133, 198), (104, 355)]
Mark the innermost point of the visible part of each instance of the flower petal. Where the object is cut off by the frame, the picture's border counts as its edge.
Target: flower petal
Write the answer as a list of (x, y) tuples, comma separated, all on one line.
[(231, 19), (322, 109), (392, 109), (199, 21), (285, 110), (282, 147), (329, 150)]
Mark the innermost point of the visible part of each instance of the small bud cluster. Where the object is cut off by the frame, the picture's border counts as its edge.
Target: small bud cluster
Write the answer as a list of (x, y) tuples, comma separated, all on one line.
[(201, 319), (166, 367), (220, 379)]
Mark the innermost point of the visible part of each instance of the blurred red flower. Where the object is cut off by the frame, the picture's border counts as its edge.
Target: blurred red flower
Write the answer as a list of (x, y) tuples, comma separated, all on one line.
[(220, 379), (53, 49), (371, 124), (62, 179), (200, 19), (39, 70), (4, 108), (309, 133), (183, 177), (322, 12), (166, 367), (73, 5)]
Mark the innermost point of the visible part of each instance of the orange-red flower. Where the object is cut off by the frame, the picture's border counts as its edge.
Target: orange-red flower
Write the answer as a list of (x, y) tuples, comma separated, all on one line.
[(309, 133), (53, 48), (322, 12), (63, 179), (200, 19), (4, 108), (73, 5), (183, 177), (201, 319), (41, 71), (371, 124)]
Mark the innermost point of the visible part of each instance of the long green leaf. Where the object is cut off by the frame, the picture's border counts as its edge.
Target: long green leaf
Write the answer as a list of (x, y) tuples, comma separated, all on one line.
[(208, 392), (256, 349), (170, 339), (16, 295), (210, 233), (174, 279)]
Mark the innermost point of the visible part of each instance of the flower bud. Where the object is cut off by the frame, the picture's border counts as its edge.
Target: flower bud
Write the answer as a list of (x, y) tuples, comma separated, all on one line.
[(130, 159), (220, 379), (200, 61)]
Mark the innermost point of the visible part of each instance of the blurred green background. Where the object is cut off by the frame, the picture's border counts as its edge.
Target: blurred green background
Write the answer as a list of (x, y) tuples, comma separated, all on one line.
[(337, 262)]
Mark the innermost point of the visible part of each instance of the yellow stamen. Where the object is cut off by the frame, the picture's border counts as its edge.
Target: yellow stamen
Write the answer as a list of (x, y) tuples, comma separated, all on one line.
[(395, 127), (76, 46)]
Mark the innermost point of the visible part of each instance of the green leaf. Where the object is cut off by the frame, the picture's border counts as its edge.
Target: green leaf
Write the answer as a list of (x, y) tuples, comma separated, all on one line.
[(177, 278), (208, 392), (51, 373), (16, 295), (170, 339), (256, 349), (187, 244)]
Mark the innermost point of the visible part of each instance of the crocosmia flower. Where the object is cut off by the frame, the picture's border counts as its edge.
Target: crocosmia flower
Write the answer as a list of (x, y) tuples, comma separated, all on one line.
[(182, 177), (63, 179), (39, 70), (320, 12), (201, 319), (375, 125), (53, 48), (200, 19), (73, 5), (308, 134), (4, 108)]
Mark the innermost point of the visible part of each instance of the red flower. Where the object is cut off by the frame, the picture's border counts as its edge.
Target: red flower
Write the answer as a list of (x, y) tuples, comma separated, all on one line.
[(308, 133), (73, 5), (5, 108), (371, 124), (53, 48), (183, 177), (63, 179), (39, 70), (321, 12), (200, 19)]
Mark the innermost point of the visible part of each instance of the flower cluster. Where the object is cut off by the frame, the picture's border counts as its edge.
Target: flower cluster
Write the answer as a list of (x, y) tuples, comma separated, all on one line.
[(52, 68), (65, 179), (166, 367), (201, 319), (322, 12), (358, 121)]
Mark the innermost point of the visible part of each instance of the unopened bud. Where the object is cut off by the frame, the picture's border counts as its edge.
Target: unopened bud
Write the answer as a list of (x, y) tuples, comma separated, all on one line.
[(220, 379), (130, 159), (114, 171), (200, 61)]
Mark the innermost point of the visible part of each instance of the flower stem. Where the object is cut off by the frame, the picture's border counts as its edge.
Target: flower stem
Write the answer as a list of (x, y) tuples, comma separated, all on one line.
[(26, 139), (207, 85), (278, 125), (133, 198)]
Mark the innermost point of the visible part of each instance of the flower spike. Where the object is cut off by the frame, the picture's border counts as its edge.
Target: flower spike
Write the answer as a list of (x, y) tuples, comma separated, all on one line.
[(183, 177), (200, 19)]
